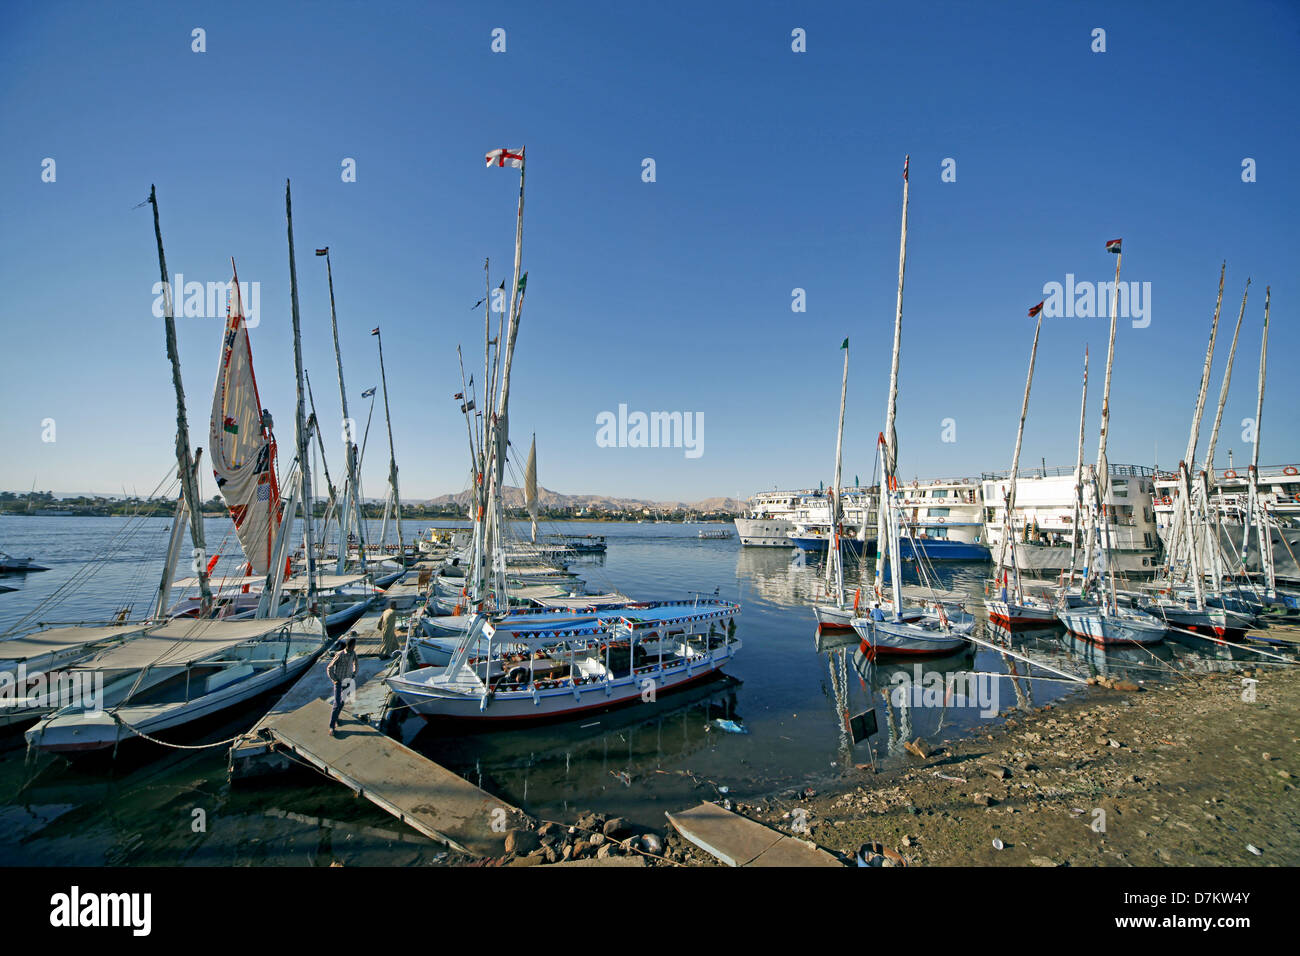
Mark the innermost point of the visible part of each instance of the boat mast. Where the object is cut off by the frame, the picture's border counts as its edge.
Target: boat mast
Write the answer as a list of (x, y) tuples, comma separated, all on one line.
[(1009, 524), (1183, 528), (352, 501), (499, 427), (1102, 478), (179, 521), (835, 562), (1255, 508), (1207, 480), (889, 438), (300, 411), (392, 454), (1078, 473), (185, 462)]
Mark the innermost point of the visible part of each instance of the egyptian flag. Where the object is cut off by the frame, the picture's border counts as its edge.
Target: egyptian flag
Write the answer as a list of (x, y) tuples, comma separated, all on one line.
[(459, 396), (1113, 246), (506, 157), (323, 252), (375, 330), (1036, 309)]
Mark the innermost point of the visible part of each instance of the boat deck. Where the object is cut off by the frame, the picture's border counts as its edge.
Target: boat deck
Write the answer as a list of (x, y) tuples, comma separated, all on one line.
[(737, 841)]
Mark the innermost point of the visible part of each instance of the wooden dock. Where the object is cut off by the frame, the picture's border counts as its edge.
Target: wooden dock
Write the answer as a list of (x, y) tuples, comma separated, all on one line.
[(425, 796), (738, 841)]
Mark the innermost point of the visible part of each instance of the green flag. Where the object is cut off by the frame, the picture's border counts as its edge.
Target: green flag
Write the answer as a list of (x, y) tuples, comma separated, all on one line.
[(845, 345)]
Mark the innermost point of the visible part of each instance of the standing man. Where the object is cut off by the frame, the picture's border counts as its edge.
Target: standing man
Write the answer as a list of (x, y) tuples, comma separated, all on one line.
[(388, 630), (341, 669)]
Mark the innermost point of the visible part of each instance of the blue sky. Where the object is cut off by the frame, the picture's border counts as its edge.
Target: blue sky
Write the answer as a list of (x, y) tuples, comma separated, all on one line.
[(775, 170)]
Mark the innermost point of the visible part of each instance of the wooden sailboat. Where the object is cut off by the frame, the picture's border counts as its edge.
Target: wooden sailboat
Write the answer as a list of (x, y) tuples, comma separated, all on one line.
[(559, 662), (838, 614), (1103, 619), (1011, 606), (901, 628), (171, 674)]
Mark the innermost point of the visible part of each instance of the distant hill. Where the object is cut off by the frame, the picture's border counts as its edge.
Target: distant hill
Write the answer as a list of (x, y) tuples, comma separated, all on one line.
[(514, 498)]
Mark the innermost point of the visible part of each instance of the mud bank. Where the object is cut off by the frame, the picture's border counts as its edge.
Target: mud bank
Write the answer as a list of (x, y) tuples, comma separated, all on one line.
[(1181, 774)]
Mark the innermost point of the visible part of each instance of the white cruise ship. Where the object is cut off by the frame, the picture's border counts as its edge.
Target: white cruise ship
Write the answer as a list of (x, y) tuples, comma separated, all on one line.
[(769, 519), (1279, 489), (944, 519), (1045, 518)]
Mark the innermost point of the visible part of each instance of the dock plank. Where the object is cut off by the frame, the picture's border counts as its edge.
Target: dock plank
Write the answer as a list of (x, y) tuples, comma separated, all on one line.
[(738, 841), (427, 797)]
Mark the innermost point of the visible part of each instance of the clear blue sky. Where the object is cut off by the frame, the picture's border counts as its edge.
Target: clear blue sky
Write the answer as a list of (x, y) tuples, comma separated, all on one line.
[(775, 170)]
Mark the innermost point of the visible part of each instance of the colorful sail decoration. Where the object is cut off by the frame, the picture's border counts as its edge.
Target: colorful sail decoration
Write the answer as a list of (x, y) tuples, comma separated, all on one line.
[(242, 443)]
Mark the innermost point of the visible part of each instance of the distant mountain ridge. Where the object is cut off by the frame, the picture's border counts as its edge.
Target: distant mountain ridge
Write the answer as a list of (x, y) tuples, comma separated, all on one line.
[(514, 498)]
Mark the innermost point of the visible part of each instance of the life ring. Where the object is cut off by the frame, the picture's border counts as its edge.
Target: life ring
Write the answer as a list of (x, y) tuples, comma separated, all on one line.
[(1229, 474), (939, 520), (1290, 470)]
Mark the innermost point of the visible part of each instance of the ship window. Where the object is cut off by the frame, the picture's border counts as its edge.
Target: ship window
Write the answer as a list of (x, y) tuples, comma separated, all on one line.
[(939, 493), (938, 512)]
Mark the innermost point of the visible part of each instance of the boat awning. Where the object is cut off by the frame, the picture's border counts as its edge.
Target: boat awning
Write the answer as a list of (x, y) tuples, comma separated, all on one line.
[(582, 601), (58, 639), (324, 582), (180, 642)]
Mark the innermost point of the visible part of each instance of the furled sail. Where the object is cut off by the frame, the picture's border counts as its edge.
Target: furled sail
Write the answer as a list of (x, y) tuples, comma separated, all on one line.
[(530, 486), (242, 443)]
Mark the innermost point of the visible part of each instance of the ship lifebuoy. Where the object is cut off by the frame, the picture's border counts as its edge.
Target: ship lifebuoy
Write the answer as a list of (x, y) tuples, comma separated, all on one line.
[(939, 520), (1229, 474), (1290, 470)]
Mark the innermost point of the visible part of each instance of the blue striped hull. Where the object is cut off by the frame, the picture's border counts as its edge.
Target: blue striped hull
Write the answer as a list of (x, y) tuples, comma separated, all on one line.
[(848, 545), (942, 549)]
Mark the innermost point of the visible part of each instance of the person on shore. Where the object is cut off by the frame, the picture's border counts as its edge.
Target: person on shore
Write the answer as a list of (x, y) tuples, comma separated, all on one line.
[(388, 630), (341, 669)]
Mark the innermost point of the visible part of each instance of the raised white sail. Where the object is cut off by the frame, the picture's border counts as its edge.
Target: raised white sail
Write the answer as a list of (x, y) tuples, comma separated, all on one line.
[(242, 443)]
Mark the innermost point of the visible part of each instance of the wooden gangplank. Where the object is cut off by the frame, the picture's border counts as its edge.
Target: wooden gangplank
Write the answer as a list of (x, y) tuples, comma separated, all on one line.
[(422, 794), (738, 841)]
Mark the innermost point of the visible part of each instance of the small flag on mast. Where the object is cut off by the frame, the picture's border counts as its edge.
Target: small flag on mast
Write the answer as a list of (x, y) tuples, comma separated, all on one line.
[(459, 396), (506, 157), (906, 160), (323, 252), (1113, 246), (1036, 309), (368, 392), (845, 345), (375, 330)]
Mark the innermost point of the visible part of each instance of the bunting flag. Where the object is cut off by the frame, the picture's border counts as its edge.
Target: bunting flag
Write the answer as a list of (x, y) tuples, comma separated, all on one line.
[(375, 330), (323, 252), (1036, 309), (1113, 246), (368, 392), (506, 157)]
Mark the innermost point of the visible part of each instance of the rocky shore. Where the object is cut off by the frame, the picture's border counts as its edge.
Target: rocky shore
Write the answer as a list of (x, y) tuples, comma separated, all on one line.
[(1188, 773)]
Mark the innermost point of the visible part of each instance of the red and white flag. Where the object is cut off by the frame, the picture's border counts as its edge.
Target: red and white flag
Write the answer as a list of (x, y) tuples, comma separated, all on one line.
[(1113, 246), (506, 157)]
